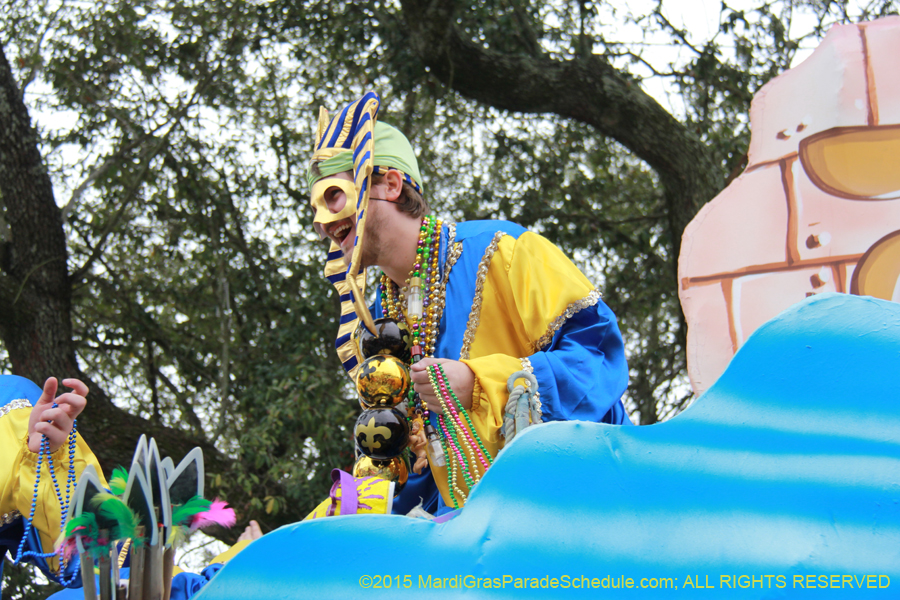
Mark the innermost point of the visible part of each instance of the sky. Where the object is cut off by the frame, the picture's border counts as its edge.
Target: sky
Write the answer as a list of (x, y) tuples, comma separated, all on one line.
[(700, 18)]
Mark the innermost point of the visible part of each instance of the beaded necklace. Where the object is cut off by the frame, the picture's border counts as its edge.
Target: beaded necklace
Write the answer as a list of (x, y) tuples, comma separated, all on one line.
[(461, 437), (21, 554), (422, 301), (422, 315), (436, 373)]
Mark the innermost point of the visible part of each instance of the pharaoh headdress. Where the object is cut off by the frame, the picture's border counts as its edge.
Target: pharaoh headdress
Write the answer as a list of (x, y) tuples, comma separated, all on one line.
[(353, 141)]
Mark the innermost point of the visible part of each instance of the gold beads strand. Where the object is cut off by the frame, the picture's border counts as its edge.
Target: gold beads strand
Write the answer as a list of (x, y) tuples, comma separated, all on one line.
[(433, 302)]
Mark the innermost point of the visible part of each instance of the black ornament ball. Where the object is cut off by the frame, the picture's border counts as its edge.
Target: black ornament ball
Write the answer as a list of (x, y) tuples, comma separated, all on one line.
[(381, 433), (391, 337)]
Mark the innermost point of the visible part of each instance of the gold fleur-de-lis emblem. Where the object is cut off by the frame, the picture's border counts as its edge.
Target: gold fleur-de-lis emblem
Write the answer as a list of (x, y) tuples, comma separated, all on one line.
[(369, 431)]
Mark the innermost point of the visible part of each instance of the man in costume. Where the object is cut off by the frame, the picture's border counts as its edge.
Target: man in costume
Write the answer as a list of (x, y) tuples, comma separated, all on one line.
[(497, 299), (29, 419)]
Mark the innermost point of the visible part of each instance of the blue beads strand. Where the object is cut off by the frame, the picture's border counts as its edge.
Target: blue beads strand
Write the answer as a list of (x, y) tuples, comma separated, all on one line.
[(21, 554)]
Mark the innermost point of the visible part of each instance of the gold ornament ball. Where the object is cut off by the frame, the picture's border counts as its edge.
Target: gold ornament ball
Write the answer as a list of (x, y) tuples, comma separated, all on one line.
[(395, 469), (383, 381)]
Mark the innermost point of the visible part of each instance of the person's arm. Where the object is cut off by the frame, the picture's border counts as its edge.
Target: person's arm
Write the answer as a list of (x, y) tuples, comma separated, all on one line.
[(22, 428), (536, 305), (571, 339)]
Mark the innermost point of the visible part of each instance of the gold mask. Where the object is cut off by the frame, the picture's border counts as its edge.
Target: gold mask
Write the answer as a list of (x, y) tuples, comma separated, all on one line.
[(323, 214)]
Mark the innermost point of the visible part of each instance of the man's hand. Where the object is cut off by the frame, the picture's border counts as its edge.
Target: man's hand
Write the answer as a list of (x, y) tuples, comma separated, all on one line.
[(55, 423), (457, 376)]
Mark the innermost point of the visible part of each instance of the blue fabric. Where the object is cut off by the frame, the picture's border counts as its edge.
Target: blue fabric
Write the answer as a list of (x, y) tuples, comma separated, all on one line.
[(582, 373), (419, 489), (187, 585), (13, 387), (10, 535)]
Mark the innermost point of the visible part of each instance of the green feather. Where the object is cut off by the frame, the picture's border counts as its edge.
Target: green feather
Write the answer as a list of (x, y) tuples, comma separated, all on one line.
[(87, 520), (118, 481), (114, 508), (181, 515)]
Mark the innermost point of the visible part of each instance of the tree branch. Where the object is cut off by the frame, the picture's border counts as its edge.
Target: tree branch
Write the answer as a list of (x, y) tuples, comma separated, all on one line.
[(96, 173), (588, 90), (97, 251), (186, 409)]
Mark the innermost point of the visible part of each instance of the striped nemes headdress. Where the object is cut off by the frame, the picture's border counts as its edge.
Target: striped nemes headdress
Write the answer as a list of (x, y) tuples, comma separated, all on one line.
[(353, 141)]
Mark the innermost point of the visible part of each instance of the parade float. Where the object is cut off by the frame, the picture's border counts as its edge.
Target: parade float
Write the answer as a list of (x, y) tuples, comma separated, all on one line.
[(781, 481)]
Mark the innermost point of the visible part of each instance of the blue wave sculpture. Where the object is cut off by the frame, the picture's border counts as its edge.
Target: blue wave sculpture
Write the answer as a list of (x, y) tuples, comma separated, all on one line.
[(782, 481)]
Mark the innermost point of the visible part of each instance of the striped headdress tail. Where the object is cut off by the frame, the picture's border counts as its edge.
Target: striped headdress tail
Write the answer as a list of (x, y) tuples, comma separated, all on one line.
[(351, 129)]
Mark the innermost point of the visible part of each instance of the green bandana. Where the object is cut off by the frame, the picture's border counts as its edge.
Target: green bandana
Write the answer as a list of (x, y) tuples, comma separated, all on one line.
[(392, 149)]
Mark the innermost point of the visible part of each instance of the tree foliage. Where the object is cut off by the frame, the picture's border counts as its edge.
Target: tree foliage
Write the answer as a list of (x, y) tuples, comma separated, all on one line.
[(171, 257)]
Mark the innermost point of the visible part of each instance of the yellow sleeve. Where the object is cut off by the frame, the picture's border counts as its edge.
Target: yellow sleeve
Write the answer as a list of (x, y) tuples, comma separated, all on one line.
[(19, 473), (529, 286), (231, 552)]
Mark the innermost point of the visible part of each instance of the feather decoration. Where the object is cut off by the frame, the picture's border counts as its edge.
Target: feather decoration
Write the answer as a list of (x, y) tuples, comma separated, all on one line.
[(118, 481), (177, 535), (84, 525), (97, 547), (66, 547), (114, 508), (182, 515), (218, 514)]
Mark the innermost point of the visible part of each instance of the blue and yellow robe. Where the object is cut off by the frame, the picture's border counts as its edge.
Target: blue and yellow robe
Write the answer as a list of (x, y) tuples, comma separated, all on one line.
[(512, 295)]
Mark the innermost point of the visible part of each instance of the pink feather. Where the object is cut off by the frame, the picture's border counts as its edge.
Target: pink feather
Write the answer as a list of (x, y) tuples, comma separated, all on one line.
[(218, 514), (68, 548)]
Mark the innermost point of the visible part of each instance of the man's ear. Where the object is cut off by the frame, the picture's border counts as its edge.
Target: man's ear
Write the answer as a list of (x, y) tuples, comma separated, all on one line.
[(393, 184)]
